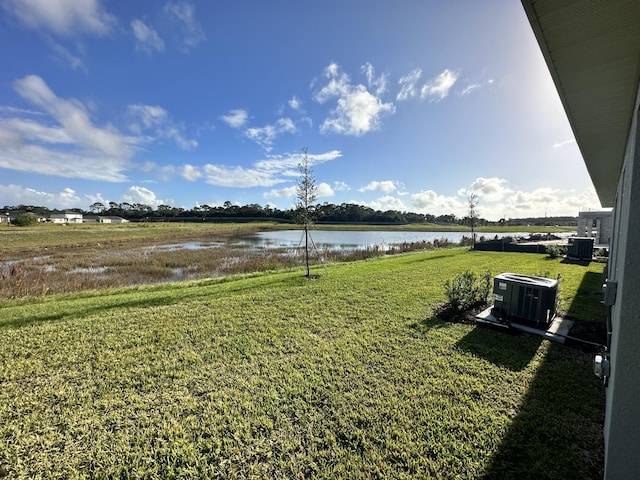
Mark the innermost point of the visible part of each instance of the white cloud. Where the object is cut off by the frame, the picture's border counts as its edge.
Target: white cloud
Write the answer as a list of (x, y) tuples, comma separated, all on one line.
[(469, 88), (490, 189), (74, 61), (339, 186), (190, 172), (388, 202), (23, 129), (546, 202), (438, 88), (569, 141), (428, 201), (409, 85), (377, 83), (64, 142), (183, 15), (286, 192), (5, 110), (324, 190), (19, 195), (151, 116), (357, 110), (338, 84), (65, 18), (265, 136), (68, 198), (386, 186), (225, 176), (498, 201), (147, 39), (288, 164), (141, 195), (295, 103), (73, 117), (236, 118), (263, 173), (166, 172), (48, 161), (175, 133), (473, 87), (154, 121)]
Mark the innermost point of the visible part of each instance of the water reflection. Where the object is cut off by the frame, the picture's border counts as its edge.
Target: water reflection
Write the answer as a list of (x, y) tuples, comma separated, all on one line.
[(357, 240)]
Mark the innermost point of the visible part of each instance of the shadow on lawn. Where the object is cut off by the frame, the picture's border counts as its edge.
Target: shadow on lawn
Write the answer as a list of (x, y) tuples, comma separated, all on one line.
[(588, 311), (501, 347), (557, 433)]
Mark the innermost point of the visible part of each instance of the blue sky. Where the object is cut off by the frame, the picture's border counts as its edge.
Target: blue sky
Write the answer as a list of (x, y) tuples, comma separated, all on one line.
[(402, 105)]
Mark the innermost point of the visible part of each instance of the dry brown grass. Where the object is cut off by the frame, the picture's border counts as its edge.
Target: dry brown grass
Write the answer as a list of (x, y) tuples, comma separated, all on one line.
[(119, 262)]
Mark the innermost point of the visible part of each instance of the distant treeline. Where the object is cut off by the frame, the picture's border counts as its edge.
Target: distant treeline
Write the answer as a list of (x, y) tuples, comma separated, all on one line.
[(323, 213)]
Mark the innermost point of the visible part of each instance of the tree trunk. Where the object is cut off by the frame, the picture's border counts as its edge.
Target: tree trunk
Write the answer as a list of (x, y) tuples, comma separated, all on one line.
[(306, 247)]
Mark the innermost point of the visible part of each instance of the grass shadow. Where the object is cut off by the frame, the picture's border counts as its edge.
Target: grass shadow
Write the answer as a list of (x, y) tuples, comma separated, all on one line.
[(557, 433), (505, 348), (576, 261), (587, 310)]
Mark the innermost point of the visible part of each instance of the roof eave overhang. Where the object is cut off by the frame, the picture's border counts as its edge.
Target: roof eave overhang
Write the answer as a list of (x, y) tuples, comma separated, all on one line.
[(592, 50)]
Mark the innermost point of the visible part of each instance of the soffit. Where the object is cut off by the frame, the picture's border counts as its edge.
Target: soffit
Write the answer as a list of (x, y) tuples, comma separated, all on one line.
[(592, 49)]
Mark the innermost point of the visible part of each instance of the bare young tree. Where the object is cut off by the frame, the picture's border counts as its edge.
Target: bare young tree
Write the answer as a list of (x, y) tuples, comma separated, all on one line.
[(307, 192), (473, 201)]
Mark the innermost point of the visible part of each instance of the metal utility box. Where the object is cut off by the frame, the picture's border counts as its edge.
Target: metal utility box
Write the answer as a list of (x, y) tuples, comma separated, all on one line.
[(580, 247), (525, 298)]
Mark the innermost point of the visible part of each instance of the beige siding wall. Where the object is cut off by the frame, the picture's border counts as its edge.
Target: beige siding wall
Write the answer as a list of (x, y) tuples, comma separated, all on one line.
[(622, 423)]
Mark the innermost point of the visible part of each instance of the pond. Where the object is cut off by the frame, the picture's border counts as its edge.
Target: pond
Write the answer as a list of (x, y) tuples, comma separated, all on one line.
[(356, 240)]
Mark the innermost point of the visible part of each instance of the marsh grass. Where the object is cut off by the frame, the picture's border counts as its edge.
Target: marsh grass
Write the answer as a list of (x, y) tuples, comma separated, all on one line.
[(272, 376), (130, 261)]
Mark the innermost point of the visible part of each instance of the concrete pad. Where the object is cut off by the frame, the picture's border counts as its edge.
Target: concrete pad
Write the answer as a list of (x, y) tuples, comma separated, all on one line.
[(556, 332)]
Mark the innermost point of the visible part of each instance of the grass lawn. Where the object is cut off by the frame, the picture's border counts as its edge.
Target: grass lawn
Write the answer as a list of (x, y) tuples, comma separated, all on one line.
[(275, 376)]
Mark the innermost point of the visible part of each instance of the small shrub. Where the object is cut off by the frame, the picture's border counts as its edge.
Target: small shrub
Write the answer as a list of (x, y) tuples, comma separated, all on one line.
[(555, 250), (485, 287), (25, 220), (466, 290), (466, 241)]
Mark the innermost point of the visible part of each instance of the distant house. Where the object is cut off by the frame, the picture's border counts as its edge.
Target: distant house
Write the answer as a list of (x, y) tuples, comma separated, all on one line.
[(104, 219), (113, 219), (66, 217), (603, 222)]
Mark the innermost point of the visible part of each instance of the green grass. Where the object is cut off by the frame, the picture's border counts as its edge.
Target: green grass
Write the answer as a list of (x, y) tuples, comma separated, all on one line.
[(275, 376)]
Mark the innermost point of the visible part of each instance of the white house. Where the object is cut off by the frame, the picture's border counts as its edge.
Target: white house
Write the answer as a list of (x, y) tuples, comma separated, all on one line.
[(112, 219), (66, 217), (592, 49), (104, 219)]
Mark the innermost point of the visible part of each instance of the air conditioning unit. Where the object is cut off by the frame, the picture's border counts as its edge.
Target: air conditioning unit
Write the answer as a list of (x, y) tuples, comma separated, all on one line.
[(525, 298), (580, 247)]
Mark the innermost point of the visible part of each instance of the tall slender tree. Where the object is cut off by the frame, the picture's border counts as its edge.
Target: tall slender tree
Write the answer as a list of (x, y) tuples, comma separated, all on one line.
[(307, 192), (472, 199)]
